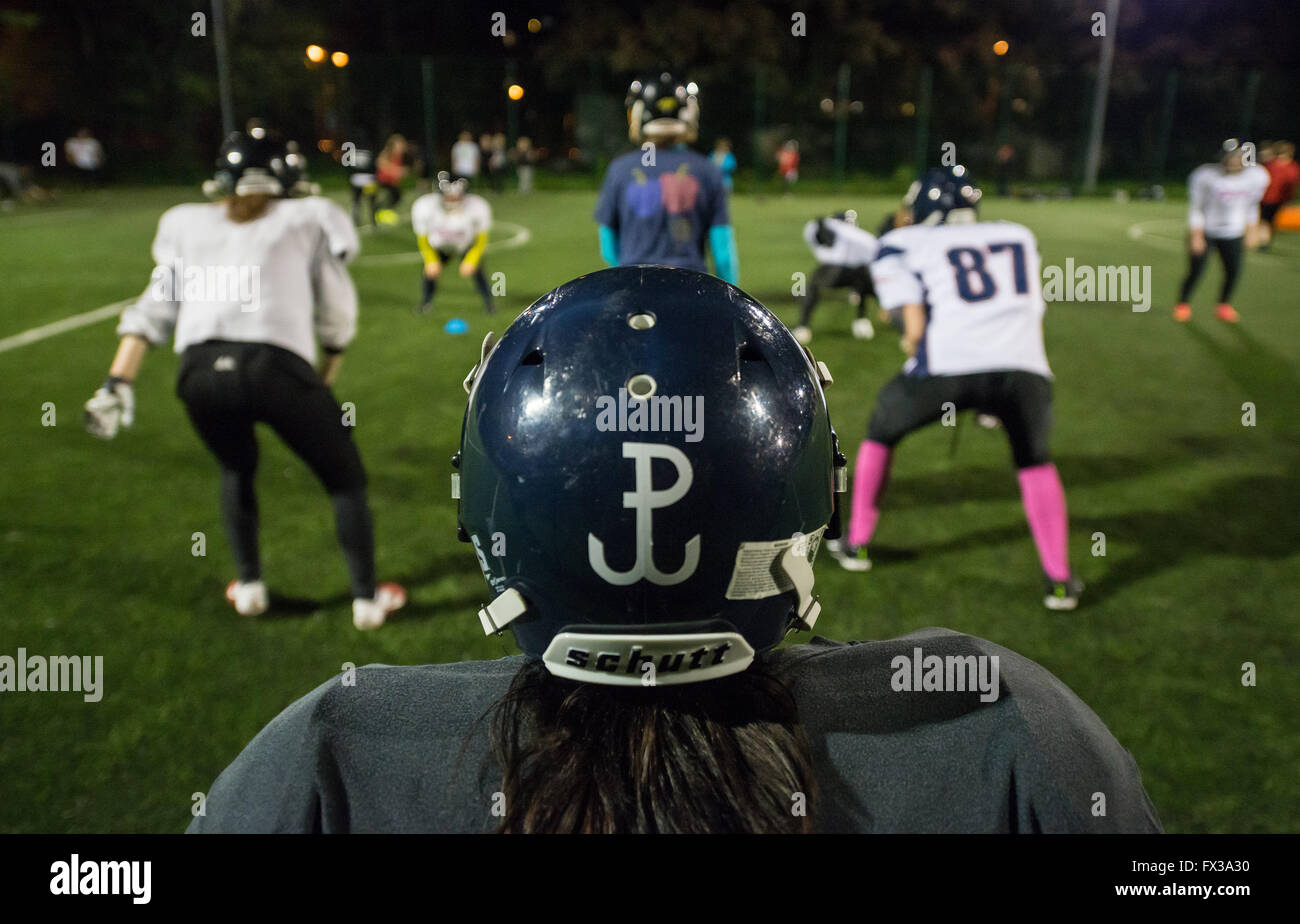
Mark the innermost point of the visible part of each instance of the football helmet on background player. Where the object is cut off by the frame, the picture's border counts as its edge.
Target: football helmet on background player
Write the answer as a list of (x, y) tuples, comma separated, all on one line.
[(247, 166), (943, 195), (646, 469), (663, 110)]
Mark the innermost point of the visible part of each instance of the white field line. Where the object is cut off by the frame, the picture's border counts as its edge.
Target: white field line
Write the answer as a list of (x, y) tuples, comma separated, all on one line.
[(63, 326), (518, 238)]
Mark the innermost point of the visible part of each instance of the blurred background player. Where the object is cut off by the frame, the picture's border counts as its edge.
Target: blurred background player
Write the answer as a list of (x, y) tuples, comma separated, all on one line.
[(1284, 177), (1223, 205), (360, 164), (452, 222), (657, 701), (725, 161), (86, 155), (494, 159), (465, 158), (787, 164), (971, 297), (250, 356), (390, 170), (525, 159), (664, 203), (844, 252)]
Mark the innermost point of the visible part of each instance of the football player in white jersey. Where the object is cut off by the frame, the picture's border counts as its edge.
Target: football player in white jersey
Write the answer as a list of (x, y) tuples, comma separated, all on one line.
[(250, 285), (1223, 205), (452, 222), (971, 298), (843, 251)]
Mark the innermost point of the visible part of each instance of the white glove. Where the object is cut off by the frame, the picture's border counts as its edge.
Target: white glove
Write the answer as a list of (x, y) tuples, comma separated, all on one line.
[(113, 406)]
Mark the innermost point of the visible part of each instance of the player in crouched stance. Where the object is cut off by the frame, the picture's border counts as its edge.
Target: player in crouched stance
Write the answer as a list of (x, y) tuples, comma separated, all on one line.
[(972, 306), (250, 285), (452, 222), (648, 580), (844, 253)]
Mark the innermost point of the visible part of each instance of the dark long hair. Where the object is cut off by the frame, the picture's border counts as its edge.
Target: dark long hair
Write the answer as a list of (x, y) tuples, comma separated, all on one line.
[(718, 756)]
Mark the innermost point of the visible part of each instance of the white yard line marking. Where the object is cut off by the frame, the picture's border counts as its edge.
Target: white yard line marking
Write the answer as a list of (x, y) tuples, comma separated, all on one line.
[(518, 238), (65, 325)]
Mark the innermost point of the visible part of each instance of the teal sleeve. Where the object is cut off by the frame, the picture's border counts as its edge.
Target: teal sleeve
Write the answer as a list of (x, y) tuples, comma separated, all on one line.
[(722, 242), (609, 245)]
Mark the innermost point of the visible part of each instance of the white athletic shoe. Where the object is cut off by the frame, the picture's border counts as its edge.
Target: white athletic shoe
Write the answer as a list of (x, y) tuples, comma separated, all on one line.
[(988, 421), (370, 614), (247, 599), (803, 335), (862, 328), (850, 557)]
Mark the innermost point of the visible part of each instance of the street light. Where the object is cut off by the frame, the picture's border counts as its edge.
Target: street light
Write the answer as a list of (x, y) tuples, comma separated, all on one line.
[(339, 59), (315, 54), (1000, 47), (515, 92)]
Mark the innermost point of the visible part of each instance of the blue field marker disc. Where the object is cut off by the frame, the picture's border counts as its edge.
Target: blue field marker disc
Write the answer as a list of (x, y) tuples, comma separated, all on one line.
[(456, 326)]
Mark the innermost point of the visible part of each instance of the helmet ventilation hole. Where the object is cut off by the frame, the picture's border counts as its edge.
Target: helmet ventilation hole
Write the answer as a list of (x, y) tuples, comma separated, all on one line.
[(532, 359), (641, 386)]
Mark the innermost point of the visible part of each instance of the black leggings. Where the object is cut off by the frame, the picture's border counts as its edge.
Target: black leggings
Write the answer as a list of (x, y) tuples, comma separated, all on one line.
[(826, 276), (1021, 400), (227, 388), (429, 287), (1229, 249)]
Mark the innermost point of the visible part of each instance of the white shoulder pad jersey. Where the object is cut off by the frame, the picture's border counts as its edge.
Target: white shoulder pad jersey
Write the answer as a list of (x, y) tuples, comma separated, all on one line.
[(451, 230), (279, 279), (851, 246), (981, 285), (1223, 204)]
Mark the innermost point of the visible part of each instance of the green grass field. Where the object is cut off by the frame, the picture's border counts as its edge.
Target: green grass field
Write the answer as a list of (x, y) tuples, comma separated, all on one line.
[(1201, 570)]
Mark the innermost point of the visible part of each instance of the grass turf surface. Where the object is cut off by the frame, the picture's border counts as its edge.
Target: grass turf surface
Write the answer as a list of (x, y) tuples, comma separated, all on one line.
[(1201, 570)]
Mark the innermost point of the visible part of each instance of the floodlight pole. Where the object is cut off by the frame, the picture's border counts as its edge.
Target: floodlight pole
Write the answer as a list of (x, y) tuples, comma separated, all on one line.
[(512, 106), (1166, 126), (223, 68), (426, 75), (1092, 161), (841, 123), (1252, 94), (923, 119)]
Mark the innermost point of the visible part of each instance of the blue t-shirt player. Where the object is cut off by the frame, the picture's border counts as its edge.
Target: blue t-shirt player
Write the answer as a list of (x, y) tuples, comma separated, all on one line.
[(665, 204)]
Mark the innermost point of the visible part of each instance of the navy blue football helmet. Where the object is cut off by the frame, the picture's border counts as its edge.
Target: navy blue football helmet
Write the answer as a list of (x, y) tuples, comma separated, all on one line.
[(663, 109), (646, 469), (941, 190)]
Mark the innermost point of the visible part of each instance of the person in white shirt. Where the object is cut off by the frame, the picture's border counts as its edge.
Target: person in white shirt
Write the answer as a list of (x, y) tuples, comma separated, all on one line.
[(843, 251), (465, 157), (970, 294), (86, 154), (249, 286), (1223, 205), (452, 223)]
